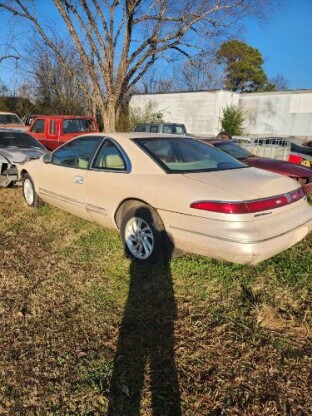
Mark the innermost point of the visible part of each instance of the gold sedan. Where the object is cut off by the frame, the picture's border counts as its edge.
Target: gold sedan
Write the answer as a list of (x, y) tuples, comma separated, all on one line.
[(164, 191)]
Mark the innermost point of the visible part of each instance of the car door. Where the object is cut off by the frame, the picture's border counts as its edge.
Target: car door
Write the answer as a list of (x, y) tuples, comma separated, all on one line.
[(108, 182), (37, 130), (64, 184)]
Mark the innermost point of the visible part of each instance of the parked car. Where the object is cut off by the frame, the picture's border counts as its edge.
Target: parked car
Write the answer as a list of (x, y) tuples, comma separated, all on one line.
[(300, 159), (300, 173), (52, 131), (11, 121), (158, 189), (15, 148), (167, 128), (301, 154), (298, 153)]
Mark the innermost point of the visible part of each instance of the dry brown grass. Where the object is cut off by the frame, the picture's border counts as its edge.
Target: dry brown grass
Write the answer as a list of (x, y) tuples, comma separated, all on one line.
[(84, 332)]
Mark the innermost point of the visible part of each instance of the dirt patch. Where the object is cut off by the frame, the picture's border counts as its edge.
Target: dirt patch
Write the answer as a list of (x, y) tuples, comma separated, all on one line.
[(282, 322)]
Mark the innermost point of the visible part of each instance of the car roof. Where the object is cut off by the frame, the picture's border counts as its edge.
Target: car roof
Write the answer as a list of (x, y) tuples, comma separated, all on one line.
[(157, 123), (61, 116), (137, 135), (8, 112)]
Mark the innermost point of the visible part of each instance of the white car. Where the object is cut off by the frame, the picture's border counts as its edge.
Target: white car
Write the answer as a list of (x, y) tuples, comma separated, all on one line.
[(11, 121), (15, 148)]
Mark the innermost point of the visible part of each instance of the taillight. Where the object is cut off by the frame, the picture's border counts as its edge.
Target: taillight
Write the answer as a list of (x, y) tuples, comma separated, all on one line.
[(247, 207), (222, 207)]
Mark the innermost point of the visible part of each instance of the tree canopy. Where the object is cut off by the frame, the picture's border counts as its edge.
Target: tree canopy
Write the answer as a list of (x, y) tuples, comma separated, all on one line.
[(243, 67)]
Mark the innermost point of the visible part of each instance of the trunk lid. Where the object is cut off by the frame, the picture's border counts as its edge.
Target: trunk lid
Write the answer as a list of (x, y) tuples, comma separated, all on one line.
[(246, 184)]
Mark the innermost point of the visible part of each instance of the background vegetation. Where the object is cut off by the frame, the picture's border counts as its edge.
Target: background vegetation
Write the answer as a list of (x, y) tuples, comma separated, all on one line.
[(232, 121), (243, 67), (73, 310), (101, 52)]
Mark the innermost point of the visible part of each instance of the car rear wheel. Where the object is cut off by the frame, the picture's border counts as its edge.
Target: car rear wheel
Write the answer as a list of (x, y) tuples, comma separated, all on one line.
[(30, 195), (143, 235)]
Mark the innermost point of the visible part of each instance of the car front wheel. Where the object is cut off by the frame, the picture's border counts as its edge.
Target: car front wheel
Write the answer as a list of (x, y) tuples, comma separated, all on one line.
[(143, 235), (30, 195)]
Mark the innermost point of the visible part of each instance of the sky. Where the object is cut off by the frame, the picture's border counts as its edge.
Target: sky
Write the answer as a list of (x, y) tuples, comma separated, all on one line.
[(284, 40)]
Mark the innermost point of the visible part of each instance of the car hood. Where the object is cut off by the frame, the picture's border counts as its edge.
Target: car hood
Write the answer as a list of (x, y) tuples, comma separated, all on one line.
[(17, 155), (279, 166), (246, 183), (14, 127)]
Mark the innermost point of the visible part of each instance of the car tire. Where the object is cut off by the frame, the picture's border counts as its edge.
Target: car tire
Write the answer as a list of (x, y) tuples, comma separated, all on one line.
[(31, 197), (143, 235)]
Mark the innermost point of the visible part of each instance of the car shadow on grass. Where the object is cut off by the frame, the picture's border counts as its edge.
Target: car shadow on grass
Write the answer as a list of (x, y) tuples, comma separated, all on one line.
[(144, 373)]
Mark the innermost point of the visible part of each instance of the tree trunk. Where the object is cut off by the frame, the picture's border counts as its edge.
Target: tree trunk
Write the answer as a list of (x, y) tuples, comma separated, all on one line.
[(108, 113)]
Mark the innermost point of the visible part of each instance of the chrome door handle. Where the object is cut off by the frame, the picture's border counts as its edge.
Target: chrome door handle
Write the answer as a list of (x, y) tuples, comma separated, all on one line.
[(78, 179)]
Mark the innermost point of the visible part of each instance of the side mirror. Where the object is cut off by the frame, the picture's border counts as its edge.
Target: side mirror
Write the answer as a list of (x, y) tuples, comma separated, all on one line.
[(47, 158)]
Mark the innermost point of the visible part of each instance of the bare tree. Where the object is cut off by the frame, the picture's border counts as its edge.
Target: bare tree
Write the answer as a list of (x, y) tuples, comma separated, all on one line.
[(156, 82), (280, 82), (53, 89), (4, 90), (199, 74), (119, 40), (3, 57)]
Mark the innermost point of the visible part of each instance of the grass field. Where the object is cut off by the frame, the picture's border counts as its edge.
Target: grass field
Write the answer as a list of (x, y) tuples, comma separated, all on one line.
[(85, 332)]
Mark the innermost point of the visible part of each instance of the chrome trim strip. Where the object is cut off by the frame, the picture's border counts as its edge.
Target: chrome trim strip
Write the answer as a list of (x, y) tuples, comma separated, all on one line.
[(236, 240), (73, 201), (61, 197), (97, 209)]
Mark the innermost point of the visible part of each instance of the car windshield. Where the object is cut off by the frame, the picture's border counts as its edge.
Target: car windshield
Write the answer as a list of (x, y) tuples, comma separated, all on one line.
[(10, 119), (233, 150), (19, 140), (184, 155)]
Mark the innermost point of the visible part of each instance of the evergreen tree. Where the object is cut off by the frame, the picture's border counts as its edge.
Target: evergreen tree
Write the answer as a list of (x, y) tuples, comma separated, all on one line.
[(243, 67)]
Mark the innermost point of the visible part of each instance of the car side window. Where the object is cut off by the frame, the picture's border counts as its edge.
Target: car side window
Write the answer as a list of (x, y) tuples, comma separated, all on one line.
[(153, 129), (76, 153), (140, 128), (38, 126), (168, 129), (109, 157)]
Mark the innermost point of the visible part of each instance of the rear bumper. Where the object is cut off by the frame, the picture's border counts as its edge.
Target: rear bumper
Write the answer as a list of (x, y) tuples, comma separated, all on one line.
[(240, 241), (242, 252)]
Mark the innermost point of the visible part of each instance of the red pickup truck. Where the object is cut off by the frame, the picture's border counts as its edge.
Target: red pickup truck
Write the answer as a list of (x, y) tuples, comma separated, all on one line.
[(52, 131)]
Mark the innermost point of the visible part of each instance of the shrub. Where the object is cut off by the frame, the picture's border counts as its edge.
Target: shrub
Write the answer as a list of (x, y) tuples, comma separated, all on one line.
[(233, 119), (132, 115)]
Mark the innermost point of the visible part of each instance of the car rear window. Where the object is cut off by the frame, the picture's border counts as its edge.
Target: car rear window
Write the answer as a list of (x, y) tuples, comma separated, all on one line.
[(19, 140), (78, 125), (181, 155), (297, 148)]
